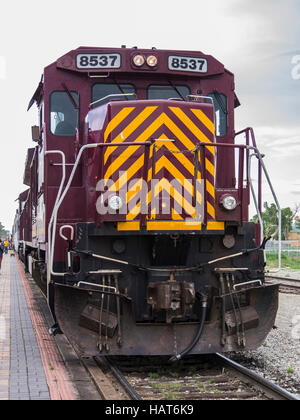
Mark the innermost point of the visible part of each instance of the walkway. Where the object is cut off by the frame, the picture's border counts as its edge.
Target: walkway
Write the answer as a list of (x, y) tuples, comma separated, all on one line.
[(31, 367)]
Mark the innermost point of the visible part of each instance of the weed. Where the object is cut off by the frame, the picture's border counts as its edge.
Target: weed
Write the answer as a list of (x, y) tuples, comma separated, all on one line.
[(288, 261), (153, 375)]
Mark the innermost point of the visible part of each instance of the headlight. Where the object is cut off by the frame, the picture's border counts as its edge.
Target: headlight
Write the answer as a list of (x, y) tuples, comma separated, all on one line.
[(152, 61), (229, 202), (139, 60), (115, 202)]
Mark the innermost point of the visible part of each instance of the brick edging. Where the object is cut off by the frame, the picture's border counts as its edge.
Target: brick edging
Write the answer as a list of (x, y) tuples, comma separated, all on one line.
[(58, 379)]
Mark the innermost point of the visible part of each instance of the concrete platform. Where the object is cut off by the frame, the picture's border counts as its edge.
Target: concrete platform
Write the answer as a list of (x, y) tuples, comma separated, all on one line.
[(32, 365)]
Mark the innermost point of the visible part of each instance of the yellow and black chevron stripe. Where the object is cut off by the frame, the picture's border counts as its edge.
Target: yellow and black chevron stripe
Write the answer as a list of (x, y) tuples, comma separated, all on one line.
[(188, 126)]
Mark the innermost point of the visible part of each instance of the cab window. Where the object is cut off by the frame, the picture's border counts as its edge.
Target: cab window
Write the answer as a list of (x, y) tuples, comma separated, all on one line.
[(221, 109), (101, 90), (64, 114), (167, 92)]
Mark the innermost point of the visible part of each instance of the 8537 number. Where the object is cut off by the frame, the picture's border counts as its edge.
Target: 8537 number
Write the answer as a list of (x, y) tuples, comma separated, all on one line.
[(98, 61), (194, 64)]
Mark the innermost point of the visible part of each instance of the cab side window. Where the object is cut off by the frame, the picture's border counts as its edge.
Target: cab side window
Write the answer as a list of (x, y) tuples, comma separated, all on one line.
[(64, 113), (221, 109)]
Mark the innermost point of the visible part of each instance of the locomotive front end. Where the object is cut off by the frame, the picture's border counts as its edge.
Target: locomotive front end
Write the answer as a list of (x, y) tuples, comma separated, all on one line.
[(159, 273), (136, 221)]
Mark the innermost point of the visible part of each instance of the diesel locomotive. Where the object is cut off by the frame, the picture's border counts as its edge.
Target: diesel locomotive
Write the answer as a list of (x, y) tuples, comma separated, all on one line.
[(135, 222)]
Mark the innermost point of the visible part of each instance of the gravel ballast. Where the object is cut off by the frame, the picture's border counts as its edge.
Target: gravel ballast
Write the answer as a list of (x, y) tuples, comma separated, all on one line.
[(279, 358)]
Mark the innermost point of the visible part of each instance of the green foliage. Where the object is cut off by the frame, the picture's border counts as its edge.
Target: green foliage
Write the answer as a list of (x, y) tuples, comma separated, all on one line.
[(270, 219), (288, 261), (3, 232)]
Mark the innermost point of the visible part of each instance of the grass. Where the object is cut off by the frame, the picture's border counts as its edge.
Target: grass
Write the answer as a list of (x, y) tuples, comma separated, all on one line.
[(169, 390), (153, 375), (288, 261)]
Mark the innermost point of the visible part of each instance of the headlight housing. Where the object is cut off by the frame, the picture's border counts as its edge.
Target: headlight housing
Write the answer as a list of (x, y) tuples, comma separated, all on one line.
[(138, 60), (229, 202), (115, 202), (152, 61)]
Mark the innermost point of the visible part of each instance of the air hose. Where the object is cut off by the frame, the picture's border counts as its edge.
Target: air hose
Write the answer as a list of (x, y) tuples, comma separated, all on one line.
[(179, 356)]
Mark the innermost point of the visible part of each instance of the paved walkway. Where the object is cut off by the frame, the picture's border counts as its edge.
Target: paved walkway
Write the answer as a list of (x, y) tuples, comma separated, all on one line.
[(31, 367), (27, 377), (4, 330)]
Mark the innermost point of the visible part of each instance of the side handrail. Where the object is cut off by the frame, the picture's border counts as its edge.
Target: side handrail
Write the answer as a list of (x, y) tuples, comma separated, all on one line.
[(113, 95), (194, 98), (249, 132), (62, 194), (53, 220)]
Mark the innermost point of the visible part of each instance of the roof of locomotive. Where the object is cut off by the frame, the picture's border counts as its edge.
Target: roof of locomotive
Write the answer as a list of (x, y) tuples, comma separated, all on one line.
[(124, 63)]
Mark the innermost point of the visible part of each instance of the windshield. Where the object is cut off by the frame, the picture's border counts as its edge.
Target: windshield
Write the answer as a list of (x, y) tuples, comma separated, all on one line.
[(101, 90), (167, 92)]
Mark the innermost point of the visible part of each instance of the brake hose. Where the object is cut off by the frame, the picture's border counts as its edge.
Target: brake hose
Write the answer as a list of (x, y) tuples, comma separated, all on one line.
[(179, 356)]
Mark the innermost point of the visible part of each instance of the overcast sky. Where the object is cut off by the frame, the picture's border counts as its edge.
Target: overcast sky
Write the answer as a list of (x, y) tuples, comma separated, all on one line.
[(258, 40)]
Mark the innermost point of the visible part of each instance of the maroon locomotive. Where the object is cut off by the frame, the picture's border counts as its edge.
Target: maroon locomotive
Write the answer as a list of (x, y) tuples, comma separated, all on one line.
[(135, 224)]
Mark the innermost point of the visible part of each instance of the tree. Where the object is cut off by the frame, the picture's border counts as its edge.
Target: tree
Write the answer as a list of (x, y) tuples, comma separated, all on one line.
[(297, 218), (3, 232), (270, 220), (287, 222)]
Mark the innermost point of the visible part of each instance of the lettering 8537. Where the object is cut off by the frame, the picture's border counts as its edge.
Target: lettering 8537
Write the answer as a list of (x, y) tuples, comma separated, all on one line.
[(98, 61), (193, 64)]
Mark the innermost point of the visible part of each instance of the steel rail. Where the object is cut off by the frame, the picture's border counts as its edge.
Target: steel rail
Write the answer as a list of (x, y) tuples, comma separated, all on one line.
[(289, 287), (283, 279), (121, 379), (284, 282), (275, 390)]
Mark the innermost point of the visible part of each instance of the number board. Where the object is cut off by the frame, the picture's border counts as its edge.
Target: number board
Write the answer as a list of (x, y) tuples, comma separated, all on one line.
[(98, 61), (194, 64)]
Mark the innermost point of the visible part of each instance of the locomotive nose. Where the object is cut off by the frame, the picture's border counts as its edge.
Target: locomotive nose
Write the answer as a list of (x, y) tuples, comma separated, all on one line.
[(154, 163)]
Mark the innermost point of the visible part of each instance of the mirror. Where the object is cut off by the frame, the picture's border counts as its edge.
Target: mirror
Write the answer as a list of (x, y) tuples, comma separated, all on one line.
[(36, 135)]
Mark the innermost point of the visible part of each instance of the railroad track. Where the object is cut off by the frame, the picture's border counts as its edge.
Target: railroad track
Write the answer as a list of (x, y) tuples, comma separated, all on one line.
[(212, 377), (193, 378), (286, 283)]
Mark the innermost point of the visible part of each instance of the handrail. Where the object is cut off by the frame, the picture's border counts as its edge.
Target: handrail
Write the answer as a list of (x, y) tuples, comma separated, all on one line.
[(62, 193), (198, 97), (113, 95), (258, 204), (53, 220)]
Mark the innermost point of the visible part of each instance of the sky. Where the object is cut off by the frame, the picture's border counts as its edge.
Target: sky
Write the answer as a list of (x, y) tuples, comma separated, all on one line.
[(258, 40)]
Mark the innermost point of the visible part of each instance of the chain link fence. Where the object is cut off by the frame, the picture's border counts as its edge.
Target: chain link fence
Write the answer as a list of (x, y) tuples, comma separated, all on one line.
[(289, 248)]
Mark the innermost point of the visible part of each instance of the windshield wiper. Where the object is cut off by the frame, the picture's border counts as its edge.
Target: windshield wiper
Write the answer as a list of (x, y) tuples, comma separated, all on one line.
[(176, 89), (220, 102), (76, 106), (120, 87)]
